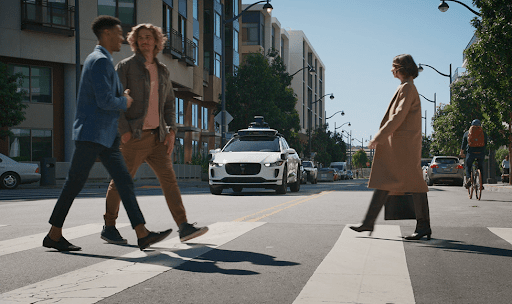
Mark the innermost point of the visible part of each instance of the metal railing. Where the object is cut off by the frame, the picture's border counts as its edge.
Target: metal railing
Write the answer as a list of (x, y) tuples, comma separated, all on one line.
[(459, 72), (174, 44), (473, 40), (47, 14), (190, 51)]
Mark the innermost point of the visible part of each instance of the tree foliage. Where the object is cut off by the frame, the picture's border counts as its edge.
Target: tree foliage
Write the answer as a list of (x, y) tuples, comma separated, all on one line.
[(328, 147), (425, 146), (11, 106), (261, 86), (359, 159)]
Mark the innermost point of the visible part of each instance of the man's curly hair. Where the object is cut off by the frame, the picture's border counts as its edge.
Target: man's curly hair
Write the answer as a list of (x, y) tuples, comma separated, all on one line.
[(159, 36)]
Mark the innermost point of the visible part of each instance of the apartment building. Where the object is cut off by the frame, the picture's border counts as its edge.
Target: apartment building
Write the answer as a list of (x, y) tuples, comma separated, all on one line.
[(261, 32), (39, 39)]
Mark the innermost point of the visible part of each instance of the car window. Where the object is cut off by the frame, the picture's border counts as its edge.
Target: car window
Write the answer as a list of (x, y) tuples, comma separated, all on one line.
[(446, 161), (254, 144), (307, 164)]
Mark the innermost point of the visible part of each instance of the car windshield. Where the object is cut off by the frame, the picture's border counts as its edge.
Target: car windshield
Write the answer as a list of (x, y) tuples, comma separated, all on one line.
[(254, 144), (307, 164), (446, 161)]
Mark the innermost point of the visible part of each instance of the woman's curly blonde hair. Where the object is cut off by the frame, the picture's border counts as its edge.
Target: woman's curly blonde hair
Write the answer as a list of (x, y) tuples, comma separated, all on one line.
[(160, 38)]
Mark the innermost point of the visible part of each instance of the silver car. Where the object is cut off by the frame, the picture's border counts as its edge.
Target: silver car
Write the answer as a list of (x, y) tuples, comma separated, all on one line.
[(13, 173), (444, 169)]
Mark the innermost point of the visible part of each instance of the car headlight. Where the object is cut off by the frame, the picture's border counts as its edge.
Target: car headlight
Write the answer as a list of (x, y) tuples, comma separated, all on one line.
[(275, 164)]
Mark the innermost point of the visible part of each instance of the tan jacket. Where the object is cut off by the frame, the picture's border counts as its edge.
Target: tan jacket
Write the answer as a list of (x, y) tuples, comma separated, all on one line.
[(134, 76), (397, 160)]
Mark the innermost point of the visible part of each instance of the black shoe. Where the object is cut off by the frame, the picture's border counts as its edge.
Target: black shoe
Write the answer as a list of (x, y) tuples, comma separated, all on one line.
[(112, 235), (418, 235), (362, 228), (152, 238), (61, 245), (188, 231)]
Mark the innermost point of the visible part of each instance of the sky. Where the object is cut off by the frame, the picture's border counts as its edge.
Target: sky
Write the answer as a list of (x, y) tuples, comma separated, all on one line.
[(357, 40)]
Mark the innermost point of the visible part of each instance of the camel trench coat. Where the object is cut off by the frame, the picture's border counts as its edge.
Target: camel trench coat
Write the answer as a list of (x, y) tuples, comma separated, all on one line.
[(397, 161)]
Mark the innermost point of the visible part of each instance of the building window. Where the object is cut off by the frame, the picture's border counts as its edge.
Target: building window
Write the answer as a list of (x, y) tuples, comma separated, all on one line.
[(207, 61), (195, 10), (217, 65), (195, 148), (196, 52), (37, 82), (204, 118), (195, 116), (207, 27), (217, 25), (30, 144), (167, 18), (122, 9), (282, 48), (182, 29), (250, 34), (204, 149), (235, 40), (180, 113), (273, 38), (235, 7)]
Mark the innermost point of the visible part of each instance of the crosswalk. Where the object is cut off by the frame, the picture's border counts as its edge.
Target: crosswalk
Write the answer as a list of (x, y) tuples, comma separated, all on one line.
[(357, 269)]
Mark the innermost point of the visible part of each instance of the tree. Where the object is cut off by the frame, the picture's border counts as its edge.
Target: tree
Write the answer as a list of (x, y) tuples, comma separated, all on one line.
[(489, 64), (11, 106), (261, 86), (359, 159), (329, 147), (425, 146)]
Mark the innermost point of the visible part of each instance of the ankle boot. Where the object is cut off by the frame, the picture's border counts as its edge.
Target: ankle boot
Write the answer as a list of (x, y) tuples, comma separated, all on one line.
[(378, 199)]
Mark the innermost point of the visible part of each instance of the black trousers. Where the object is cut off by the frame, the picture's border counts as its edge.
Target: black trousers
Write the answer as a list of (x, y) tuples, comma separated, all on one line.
[(380, 197), (84, 157)]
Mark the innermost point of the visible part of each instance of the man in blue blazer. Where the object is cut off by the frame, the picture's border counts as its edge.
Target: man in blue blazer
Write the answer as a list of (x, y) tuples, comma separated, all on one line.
[(100, 99)]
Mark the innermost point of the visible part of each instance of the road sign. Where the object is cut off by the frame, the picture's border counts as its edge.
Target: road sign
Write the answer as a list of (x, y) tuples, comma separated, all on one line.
[(218, 118)]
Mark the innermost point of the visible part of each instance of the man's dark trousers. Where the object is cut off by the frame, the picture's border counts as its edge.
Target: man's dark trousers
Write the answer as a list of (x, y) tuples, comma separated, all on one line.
[(470, 158), (84, 158)]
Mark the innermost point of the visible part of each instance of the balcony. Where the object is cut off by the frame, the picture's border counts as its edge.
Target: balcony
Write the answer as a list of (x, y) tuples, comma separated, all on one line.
[(174, 45), (48, 17), (189, 55)]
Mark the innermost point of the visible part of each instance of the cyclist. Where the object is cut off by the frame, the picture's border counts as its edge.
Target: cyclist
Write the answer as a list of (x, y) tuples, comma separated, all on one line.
[(474, 142)]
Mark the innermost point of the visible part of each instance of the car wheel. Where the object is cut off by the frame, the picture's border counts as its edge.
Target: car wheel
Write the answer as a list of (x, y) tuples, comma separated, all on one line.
[(460, 183), (10, 180), (284, 186), (215, 190), (429, 181), (295, 187), (237, 189), (315, 181)]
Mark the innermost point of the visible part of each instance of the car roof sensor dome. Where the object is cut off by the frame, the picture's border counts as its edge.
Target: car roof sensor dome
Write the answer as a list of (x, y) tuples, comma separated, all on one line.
[(259, 122)]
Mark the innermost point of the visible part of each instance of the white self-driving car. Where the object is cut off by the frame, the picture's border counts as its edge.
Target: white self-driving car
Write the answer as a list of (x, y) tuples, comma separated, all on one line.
[(257, 157)]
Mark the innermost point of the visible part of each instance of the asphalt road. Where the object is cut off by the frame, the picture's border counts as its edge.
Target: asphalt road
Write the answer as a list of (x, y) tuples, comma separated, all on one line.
[(261, 248)]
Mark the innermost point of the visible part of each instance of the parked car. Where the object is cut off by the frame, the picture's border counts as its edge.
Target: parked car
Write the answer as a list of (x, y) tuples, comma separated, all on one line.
[(350, 175), (13, 173), (257, 157), (342, 167), (303, 175), (311, 170), (337, 174), (326, 175), (444, 169)]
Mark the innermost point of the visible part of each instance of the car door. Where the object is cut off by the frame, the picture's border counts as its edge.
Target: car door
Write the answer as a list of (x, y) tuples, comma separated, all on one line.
[(293, 161)]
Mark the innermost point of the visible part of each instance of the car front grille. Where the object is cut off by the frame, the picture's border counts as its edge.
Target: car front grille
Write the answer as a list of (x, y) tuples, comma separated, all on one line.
[(243, 168)]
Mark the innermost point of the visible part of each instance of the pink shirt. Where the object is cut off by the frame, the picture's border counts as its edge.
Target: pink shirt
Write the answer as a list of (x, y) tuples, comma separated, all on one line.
[(152, 119)]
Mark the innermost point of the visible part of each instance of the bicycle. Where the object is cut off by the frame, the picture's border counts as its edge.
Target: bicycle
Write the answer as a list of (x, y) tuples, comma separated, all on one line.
[(476, 181)]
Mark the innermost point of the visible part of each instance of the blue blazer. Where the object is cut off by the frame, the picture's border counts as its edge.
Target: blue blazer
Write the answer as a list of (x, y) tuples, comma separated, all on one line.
[(100, 99)]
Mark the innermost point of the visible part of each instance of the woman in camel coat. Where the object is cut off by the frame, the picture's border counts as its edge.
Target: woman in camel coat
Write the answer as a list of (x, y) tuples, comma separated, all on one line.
[(397, 162)]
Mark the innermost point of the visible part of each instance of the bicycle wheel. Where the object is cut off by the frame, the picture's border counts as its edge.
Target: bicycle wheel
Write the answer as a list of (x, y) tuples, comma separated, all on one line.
[(478, 185)]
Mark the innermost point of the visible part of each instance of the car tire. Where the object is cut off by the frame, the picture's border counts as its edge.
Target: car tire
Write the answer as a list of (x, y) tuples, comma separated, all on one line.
[(284, 186), (9, 180), (237, 189), (315, 181), (216, 190), (460, 183), (295, 187), (429, 181)]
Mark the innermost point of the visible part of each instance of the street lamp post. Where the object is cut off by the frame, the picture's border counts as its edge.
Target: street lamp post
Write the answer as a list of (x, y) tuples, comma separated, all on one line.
[(311, 69), (434, 101), (443, 6), (310, 120), (349, 137), (223, 126), (425, 122), (342, 114), (420, 69)]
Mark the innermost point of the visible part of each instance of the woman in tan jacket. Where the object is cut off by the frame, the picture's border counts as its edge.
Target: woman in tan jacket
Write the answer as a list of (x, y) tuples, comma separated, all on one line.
[(397, 161)]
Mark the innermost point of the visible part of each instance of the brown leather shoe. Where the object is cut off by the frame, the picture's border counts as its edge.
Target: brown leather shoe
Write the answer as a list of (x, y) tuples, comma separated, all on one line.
[(61, 245)]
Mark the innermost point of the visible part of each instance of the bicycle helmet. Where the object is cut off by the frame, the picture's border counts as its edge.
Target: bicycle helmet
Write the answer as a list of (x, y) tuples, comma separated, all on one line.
[(476, 122)]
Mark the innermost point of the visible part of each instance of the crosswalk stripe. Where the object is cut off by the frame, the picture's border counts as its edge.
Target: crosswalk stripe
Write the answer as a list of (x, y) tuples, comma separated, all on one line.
[(99, 281), (36, 240), (504, 233), (361, 269)]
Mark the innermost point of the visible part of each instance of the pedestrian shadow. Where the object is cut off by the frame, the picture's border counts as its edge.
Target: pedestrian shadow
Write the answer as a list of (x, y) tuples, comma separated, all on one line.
[(197, 258)]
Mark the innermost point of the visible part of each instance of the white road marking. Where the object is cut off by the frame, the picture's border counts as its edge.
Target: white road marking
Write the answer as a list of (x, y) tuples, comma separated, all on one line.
[(36, 240), (362, 269), (504, 233), (99, 281)]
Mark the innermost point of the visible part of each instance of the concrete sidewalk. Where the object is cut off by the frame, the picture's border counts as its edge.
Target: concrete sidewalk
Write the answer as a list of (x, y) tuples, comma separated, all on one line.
[(499, 187)]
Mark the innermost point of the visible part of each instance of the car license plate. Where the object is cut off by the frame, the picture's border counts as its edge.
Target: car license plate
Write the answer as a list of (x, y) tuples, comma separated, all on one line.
[(324, 175)]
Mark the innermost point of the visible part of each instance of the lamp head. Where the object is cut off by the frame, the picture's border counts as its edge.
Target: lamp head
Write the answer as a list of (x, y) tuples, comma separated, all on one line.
[(349, 124), (312, 70), (332, 97), (443, 7), (268, 7), (420, 68), (342, 113)]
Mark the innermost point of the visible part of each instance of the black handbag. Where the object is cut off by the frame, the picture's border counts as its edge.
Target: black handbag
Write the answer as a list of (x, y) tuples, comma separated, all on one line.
[(399, 207)]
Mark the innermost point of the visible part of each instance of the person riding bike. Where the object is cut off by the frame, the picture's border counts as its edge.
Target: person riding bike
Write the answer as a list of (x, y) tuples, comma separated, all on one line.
[(474, 143)]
